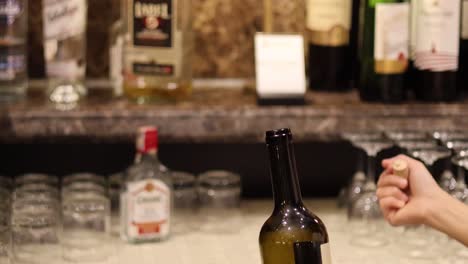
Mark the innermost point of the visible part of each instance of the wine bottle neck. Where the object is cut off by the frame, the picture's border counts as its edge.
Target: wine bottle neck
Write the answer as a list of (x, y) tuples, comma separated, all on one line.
[(286, 190)]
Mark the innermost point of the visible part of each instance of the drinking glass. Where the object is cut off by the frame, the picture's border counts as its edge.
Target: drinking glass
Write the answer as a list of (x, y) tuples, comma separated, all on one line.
[(5, 227), (219, 195), (421, 242), (84, 177), (33, 178), (460, 191), (115, 186), (36, 229), (86, 225), (364, 214), (185, 202)]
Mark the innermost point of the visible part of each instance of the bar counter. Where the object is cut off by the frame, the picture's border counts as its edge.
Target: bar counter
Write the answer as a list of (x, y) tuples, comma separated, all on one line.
[(241, 246)]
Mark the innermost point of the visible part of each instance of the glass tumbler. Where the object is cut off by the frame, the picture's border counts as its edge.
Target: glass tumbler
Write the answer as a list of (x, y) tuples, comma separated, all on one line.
[(185, 202), (86, 226), (114, 188), (5, 227), (33, 178), (219, 194), (84, 177), (36, 229)]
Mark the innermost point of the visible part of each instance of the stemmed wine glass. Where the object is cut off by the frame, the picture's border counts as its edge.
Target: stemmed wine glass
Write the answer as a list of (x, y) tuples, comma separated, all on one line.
[(364, 213), (420, 242), (359, 178)]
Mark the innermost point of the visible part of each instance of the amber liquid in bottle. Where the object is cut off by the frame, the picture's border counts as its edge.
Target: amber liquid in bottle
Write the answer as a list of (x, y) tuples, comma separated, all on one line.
[(291, 225), (157, 50)]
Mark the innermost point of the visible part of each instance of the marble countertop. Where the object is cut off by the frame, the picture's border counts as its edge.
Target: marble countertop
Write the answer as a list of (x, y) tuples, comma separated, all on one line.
[(241, 244), (220, 115)]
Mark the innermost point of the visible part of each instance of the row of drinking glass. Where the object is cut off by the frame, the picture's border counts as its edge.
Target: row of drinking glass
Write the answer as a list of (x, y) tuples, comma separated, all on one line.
[(362, 203), (44, 223), (43, 220)]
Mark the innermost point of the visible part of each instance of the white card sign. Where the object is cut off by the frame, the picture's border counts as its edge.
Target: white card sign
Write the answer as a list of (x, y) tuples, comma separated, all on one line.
[(280, 66)]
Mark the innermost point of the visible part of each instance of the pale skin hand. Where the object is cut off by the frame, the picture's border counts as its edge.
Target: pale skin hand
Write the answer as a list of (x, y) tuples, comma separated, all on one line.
[(419, 200)]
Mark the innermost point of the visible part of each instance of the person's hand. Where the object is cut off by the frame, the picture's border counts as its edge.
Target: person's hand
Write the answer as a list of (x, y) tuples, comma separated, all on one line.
[(406, 201)]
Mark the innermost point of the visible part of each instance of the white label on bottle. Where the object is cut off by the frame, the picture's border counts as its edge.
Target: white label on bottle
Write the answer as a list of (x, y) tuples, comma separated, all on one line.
[(324, 15), (465, 20), (391, 31), (326, 253), (148, 209), (63, 19), (437, 35)]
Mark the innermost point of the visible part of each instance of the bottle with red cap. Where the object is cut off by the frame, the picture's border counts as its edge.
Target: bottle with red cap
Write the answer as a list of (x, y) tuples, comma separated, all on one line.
[(146, 198)]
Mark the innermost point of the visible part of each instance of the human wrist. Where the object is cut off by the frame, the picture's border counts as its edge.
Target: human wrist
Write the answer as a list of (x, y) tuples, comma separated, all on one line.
[(436, 206)]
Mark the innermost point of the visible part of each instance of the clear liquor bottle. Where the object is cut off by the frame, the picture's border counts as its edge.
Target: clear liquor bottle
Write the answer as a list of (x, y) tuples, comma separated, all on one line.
[(157, 50), (146, 198), (65, 49), (13, 41)]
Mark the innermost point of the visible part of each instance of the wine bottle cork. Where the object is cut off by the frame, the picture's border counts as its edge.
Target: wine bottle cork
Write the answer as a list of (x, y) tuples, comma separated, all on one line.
[(400, 168)]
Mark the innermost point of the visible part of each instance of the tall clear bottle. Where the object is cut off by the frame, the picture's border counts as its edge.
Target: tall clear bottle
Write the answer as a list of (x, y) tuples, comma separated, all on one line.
[(65, 49), (292, 234), (157, 50), (437, 49), (13, 49), (146, 198)]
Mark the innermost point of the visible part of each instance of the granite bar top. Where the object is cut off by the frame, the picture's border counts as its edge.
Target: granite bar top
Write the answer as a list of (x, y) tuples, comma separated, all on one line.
[(239, 243), (219, 115)]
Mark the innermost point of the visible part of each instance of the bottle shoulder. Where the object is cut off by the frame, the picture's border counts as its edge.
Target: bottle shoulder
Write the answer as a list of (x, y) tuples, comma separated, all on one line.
[(295, 221), (146, 170)]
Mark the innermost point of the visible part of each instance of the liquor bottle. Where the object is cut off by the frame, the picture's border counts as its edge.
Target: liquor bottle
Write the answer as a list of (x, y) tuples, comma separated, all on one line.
[(411, 73), (354, 41), (385, 50), (328, 33), (65, 49), (464, 48), (437, 49), (157, 50), (13, 43), (146, 198), (292, 230)]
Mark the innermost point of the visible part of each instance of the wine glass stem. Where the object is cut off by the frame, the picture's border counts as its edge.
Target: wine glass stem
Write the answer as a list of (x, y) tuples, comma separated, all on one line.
[(371, 168)]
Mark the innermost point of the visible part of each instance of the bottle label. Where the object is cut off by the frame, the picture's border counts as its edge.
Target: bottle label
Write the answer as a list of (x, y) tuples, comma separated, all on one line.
[(312, 252), (465, 20), (391, 38), (329, 22), (437, 35), (64, 18), (148, 209), (156, 46), (152, 23)]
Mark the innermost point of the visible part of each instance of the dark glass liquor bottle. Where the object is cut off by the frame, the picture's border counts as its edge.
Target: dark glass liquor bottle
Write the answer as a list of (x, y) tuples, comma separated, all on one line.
[(437, 49), (291, 228), (328, 34), (384, 56)]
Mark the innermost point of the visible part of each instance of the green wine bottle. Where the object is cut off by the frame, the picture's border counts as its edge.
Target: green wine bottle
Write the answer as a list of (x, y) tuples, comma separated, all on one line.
[(292, 234), (385, 50)]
